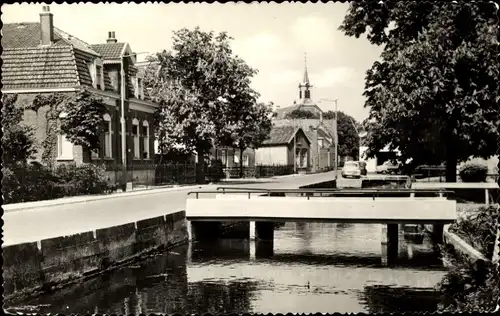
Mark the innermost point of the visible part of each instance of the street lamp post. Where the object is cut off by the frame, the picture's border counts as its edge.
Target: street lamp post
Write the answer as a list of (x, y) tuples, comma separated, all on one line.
[(122, 117), (294, 148), (335, 138)]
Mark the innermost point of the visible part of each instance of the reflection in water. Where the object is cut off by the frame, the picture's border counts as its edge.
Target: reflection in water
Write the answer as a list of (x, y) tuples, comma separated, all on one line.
[(310, 267), (386, 299)]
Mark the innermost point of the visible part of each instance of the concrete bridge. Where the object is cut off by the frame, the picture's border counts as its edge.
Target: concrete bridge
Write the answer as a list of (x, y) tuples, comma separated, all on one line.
[(262, 207)]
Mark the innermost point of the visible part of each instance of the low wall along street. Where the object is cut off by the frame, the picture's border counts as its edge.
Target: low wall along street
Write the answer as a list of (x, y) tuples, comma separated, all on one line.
[(34, 267)]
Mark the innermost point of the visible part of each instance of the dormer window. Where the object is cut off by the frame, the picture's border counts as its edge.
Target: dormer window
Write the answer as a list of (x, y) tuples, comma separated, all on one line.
[(97, 74), (138, 88)]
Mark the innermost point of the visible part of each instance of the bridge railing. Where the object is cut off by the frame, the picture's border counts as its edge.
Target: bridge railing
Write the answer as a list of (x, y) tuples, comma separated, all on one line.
[(373, 193)]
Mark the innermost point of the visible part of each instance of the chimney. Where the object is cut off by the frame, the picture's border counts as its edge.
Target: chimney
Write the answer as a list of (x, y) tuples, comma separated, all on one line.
[(111, 38), (46, 26)]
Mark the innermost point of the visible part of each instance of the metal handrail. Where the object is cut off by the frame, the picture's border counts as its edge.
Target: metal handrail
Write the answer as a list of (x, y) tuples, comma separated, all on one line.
[(241, 189), (368, 192), (333, 190)]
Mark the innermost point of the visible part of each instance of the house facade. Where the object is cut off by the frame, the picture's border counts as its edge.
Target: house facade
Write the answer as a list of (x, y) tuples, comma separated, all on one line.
[(321, 155), (230, 157), (278, 149), (40, 59), (320, 132)]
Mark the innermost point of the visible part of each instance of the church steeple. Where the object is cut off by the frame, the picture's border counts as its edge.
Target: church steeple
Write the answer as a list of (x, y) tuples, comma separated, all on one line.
[(306, 85)]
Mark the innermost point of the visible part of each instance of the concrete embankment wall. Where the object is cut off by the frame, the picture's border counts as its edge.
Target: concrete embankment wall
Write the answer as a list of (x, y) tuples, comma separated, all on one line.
[(36, 266), (459, 245)]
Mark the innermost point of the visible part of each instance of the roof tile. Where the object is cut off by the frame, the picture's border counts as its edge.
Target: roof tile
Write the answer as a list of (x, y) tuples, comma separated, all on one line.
[(39, 67), (282, 134), (109, 51)]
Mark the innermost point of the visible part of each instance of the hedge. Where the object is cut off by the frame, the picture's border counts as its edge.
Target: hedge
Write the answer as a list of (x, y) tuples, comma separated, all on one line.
[(473, 172), (25, 182)]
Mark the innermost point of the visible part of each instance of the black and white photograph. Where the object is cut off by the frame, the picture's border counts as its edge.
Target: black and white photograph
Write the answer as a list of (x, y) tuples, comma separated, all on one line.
[(260, 157)]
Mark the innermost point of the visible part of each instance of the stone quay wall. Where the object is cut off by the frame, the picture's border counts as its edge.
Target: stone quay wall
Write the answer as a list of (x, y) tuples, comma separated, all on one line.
[(30, 268)]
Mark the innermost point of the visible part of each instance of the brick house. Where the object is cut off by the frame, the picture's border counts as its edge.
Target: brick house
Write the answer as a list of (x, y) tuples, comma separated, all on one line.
[(39, 58)]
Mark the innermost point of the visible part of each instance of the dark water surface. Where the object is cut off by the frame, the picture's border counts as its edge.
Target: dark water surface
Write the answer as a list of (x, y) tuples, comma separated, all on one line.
[(310, 267)]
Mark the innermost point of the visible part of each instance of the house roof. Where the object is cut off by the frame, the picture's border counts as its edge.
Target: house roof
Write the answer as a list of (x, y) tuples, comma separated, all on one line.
[(64, 64), (325, 127), (109, 51), (27, 35), (27, 65), (283, 135), (39, 67)]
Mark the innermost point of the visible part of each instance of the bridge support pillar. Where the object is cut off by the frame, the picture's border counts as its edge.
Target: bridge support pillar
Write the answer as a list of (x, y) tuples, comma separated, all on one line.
[(203, 230), (252, 231), (438, 233), (390, 243)]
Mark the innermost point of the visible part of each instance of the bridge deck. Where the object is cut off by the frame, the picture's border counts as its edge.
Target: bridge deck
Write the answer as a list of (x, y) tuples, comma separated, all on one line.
[(323, 209)]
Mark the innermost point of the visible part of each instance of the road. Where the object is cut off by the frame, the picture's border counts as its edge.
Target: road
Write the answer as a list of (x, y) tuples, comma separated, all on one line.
[(43, 222)]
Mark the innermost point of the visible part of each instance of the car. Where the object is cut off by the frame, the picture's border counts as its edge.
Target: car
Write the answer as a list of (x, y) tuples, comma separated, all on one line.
[(351, 169), (389, 167)]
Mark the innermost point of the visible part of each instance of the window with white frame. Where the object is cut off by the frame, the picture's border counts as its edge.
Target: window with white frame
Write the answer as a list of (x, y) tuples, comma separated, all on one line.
[(145, 135), (108, 137), (64, 146), (245, 160), (135, 135)]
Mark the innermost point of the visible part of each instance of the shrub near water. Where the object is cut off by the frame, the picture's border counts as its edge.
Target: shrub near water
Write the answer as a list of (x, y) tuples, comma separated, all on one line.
[(24, 182), (473, 172), (29, 182), (472, 286), (82, 179)]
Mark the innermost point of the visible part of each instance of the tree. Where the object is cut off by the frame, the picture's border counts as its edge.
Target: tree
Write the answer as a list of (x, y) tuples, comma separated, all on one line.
[(82, 119), (79, 115), (301, 114), (250, 130), (196, 83), (347, 133), (434, 93), (18, 142)]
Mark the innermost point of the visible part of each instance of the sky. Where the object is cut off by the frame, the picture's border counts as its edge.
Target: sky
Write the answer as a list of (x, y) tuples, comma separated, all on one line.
[(272, 38)]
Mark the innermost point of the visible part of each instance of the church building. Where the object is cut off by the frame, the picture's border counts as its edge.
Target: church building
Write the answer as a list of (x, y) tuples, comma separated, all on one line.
[(305, 102), (319, 132)]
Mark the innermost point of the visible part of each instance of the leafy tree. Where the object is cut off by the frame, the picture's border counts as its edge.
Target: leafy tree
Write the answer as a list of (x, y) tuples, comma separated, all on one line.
[(252, 126), (18, 139), (180, 120), (301, 114), (434, 92), (347, 133), (83, 118), (197, 83)]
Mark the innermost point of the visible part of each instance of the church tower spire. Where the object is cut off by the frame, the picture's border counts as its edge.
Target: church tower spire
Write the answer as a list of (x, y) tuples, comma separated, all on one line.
[(304, 87)]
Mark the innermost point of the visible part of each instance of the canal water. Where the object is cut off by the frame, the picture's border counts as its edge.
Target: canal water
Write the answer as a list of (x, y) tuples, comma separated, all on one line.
[(310, 267)]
